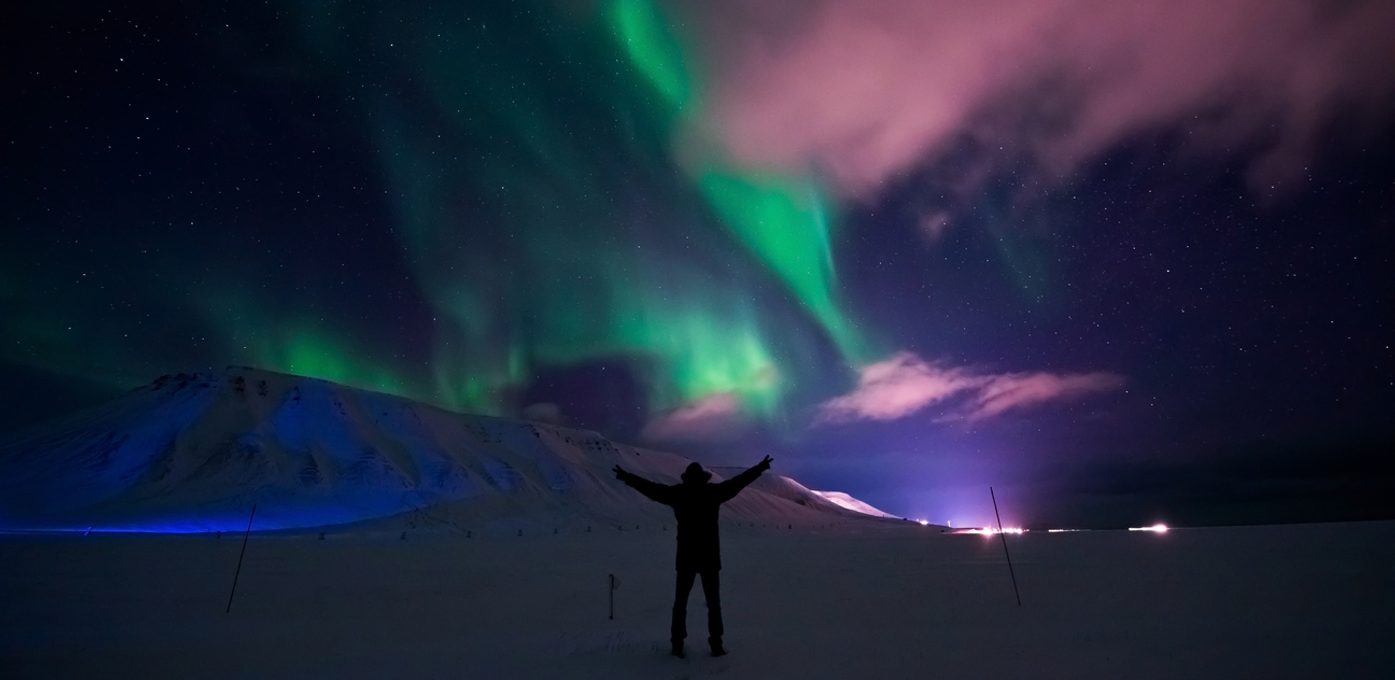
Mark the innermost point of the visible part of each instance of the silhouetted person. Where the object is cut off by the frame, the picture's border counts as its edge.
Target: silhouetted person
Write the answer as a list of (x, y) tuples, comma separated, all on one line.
[(695, 504)]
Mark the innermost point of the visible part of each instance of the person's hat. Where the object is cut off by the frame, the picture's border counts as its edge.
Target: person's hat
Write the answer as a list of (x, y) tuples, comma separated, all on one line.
[(695, 474)]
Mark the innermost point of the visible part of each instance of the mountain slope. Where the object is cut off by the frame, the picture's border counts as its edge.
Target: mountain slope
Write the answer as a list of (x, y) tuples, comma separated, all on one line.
[(194, 452)]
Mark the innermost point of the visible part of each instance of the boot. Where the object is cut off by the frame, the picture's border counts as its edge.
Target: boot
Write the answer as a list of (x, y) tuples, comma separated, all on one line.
[(717, 648), (677, 649)]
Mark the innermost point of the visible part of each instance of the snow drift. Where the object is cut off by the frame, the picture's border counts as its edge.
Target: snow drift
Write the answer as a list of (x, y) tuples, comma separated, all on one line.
[(195, 452)]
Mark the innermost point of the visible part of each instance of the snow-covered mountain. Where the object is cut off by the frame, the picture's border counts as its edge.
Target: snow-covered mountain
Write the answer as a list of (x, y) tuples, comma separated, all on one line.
[(790, 489), (194, 452), (846, 501)]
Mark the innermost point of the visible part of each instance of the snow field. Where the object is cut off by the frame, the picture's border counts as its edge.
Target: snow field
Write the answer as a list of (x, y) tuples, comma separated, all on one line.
[(1265, 602)]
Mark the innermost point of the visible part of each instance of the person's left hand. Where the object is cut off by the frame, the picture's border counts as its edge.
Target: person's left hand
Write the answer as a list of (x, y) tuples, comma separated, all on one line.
[(764, 464), (620, 473)]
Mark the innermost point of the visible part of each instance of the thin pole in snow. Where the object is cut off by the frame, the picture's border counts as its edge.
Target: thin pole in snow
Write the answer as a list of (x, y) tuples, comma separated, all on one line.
[(612, 597), (240, 555), (1005, 550)]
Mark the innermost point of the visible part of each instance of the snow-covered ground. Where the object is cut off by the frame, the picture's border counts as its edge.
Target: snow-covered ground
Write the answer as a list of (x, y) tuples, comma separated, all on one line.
[(1310, 601), (843, 500)]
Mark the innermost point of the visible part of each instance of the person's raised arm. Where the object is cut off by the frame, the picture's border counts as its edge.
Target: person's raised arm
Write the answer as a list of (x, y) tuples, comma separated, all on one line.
[(728, 489), (660, 493)]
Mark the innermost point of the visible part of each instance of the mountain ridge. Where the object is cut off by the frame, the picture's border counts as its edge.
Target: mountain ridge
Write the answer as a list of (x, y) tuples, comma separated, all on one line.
[(194, 452)]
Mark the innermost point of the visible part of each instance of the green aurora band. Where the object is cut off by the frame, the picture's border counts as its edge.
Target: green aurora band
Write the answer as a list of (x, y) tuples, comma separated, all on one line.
[(527, 163), (568, 238)]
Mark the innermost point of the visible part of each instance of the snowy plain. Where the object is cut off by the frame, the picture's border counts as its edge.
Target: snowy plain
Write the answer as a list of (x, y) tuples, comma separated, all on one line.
[(1298, 601)]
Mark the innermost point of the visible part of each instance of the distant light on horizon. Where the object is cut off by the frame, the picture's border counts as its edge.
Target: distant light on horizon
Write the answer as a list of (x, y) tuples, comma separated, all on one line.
[(989, 531), (1158, 528)]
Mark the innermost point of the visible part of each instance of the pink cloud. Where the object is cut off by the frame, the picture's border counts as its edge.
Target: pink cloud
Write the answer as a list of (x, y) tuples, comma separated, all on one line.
[(894, 388), (904, 384), (715, 417), (864, 91), (1010, 391)]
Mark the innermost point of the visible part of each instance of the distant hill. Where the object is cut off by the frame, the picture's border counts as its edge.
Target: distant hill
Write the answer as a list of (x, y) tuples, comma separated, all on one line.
[(193, 452)]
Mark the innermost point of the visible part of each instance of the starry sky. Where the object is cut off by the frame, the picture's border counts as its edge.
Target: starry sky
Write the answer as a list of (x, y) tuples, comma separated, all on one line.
[(1126, 262)]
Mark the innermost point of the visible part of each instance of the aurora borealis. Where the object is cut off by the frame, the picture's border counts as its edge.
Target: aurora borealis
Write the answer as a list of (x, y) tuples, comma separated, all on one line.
[(913, 249), (539, 231)]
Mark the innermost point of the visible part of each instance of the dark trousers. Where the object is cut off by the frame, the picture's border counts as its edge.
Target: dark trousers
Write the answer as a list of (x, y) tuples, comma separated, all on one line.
[(711, 589)]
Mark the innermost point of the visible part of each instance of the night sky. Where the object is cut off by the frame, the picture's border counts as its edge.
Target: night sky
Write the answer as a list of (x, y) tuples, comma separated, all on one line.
[(1126, 262)]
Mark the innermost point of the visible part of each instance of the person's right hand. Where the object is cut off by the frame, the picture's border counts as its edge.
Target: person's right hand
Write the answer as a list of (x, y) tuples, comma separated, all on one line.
[(764, 464), (620, 473)]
